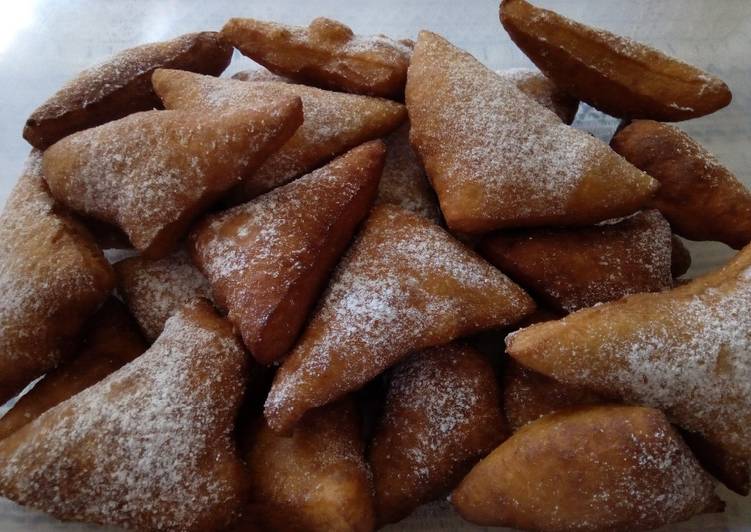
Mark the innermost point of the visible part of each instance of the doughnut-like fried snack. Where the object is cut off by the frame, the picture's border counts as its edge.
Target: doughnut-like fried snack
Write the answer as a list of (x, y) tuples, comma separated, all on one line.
[(684, 351), (698, 195), (334, 122), (316, 480), (442, 414), (498, 159), (260, 74), (732, 471), (52, 279), (152, 173), (149, 447), (404, 285), (403, 182), (617, 75), (325, 54), (154, 289), (572, 269), (600, 468), (122, 85), (111, 340), (268, 260), (541, 89)]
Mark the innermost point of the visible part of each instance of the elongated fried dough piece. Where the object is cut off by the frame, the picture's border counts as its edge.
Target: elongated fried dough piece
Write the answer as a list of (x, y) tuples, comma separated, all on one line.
[(149, 447), (155, 289), (122, 85), (699, 196), (541, 89), (570, 269), (111, 340), (151, 173), (602, 468), (316, 480), (269, 259), (52, 278), (442, 414), (497, 159), (617, 75), (404, 285), (334, 122), (685, 351), (325, 54)]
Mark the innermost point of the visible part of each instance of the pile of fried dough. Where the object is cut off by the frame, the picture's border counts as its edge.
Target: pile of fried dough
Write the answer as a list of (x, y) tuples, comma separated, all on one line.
[(371, 275)]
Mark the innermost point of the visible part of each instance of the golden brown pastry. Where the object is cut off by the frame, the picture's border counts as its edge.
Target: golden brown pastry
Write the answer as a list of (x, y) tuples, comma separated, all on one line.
[(569, 269), (498, 159), (404, 285), (122, 85), (325, 54), (260, 74), (698, 195), (155, 289), (734, 472), (541, 89), (149, 447), (685, 351), (617, 75), (268, 260), (442, 414), (152, 173), (334, 122), (111, 340), (316, 480), (52, 279), (601, 468)]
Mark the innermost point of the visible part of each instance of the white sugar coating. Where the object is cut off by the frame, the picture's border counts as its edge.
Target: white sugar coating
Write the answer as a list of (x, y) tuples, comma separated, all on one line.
[(148, 447), (155, 289)]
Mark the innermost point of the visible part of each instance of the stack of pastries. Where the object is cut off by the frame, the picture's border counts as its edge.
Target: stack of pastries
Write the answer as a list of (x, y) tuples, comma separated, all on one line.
[(372, 274)]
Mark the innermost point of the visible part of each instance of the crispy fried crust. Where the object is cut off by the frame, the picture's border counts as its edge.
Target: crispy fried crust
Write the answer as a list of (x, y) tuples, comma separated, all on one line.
[(619, 76), (698, 195), (602, 468), (122, 85)]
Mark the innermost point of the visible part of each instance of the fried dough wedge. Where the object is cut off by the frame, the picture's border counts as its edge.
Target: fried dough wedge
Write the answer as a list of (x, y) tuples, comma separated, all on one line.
[(155, 289), (52, 277), (316, 480), (684, 351), (149, 447), (541, 89), (111, 340), (617, 75), (404, 285), (601, 468), (152, 173), (569, 269), (122, 85), (498, 159), (334, 122), (326, 54), (268, 260), (700, 197), (442, 414)]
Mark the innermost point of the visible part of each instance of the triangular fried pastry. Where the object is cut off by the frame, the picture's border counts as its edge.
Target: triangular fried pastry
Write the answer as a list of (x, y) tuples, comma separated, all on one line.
[(268, 260), (334, 122), (149, 447), (154, 289), (404, 285), (121, 85), (700, 197), (325, 54), (52, 278), (152, 173), (684, 351), (316, 480), (442, 414), (111, 340), (617, 75), (498, 159), (541, 89), (614, 468), (569, 269)]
